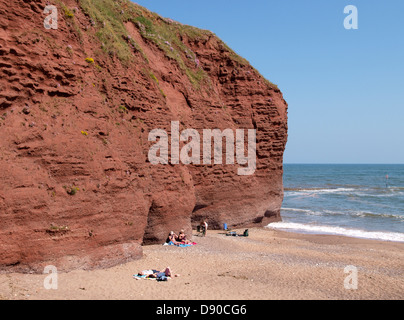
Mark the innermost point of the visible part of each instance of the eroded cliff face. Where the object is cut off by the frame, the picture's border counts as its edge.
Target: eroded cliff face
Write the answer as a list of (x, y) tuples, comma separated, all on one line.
[(77, 104)]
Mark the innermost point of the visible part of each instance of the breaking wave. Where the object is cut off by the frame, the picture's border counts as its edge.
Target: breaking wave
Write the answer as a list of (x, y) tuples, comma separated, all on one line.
[(333, 230)]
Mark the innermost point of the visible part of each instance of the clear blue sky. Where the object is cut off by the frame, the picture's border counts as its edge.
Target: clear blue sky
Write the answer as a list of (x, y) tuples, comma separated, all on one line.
[(345, 88)]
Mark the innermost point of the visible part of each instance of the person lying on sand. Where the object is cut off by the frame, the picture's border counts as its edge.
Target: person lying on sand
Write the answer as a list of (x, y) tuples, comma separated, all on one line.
[(155, 274)]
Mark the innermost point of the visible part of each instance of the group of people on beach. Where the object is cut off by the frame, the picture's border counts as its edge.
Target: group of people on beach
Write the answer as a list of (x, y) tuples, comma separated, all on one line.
[(181, 238), (173, 238)]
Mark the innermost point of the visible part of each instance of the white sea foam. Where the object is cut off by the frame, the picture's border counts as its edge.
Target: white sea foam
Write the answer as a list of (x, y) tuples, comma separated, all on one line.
[(314, 192), (362, 191), (358, 213), (322, 229), (320, 190), (296, 209), (306, 211)]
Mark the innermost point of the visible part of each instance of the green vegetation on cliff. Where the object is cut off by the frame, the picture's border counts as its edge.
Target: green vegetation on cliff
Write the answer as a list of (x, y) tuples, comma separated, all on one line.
[(109, 18)]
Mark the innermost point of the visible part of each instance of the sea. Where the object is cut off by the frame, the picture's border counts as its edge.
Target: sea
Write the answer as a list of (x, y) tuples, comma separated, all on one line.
[(355, 200)]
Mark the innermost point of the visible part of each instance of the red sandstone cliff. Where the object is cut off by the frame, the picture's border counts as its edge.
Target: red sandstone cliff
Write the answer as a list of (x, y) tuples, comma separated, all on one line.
[(76, 106)]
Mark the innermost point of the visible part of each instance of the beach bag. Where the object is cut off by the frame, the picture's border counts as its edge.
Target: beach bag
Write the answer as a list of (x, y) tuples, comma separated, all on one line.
[(162, 278)]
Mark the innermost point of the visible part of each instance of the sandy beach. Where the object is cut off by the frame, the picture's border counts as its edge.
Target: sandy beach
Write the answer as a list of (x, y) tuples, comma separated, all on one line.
[(267, 265)]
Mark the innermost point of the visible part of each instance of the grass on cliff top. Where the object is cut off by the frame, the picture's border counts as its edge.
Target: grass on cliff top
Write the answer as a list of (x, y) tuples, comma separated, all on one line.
[(111, 31), (108, 17)]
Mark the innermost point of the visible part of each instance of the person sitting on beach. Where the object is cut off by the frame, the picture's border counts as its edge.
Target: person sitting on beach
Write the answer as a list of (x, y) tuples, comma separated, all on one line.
[(172, 237), (182, 237)]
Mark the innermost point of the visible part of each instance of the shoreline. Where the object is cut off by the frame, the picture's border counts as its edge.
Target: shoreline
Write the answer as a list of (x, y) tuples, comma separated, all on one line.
[(301, 228), (267, 265)]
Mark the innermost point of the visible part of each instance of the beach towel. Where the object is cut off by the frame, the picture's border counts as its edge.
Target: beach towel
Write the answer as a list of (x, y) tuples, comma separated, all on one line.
[(139, 277), (182, 245)]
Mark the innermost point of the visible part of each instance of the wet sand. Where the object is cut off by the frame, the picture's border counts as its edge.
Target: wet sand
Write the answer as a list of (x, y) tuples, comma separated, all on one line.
[(267, 265)]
